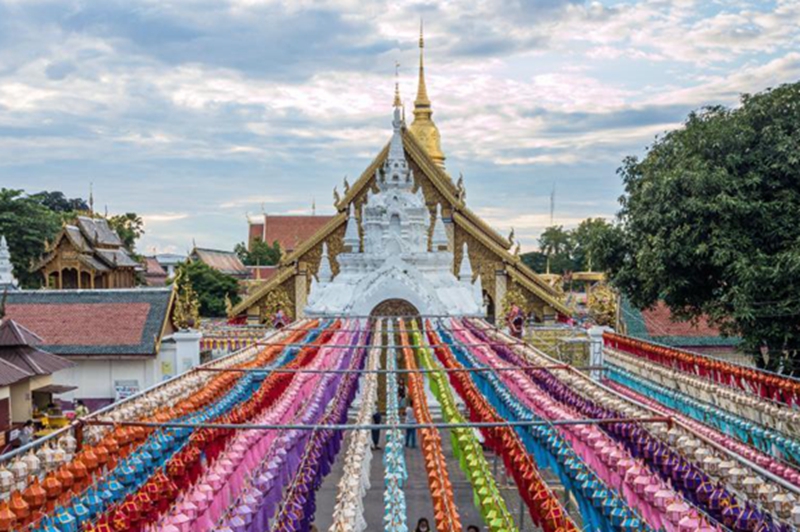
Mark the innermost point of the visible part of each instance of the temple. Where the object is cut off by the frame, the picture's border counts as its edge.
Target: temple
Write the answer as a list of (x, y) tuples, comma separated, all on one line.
[(87, 255), (492, 257), (405, 265)]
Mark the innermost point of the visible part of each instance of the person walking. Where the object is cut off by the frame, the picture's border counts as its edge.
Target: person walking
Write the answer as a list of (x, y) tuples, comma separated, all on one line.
[(376, 433), (422, 525), (411, 432)]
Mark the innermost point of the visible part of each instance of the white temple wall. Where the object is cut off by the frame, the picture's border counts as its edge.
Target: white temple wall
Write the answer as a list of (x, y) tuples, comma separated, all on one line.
[(106, 380)]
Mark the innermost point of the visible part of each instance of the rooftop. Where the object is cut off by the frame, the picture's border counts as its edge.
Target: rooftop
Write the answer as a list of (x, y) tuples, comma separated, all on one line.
[(288, 230), (225, 261), (104, 323)]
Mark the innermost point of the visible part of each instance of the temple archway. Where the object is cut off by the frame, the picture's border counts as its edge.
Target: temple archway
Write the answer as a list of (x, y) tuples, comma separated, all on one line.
[(394, 307)]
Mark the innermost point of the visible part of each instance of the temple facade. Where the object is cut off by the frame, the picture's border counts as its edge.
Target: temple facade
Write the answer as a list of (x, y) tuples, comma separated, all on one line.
[(398, 253), (86, 255), (493, 259)]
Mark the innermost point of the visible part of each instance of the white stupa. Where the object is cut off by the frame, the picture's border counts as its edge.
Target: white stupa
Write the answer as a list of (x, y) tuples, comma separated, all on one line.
[(7, 280), (399, 260)]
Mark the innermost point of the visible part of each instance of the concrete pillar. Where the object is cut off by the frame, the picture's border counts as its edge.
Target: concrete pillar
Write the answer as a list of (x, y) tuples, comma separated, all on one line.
[(596, 349), (187, 349), (500, 287)]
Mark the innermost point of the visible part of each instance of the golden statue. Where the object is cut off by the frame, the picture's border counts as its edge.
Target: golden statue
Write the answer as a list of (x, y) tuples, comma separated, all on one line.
[(186, 313)]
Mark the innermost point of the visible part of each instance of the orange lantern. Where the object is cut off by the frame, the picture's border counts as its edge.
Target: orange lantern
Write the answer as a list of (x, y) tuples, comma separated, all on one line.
[(20, 508), (35, 495), (65, 477), (7, 518)]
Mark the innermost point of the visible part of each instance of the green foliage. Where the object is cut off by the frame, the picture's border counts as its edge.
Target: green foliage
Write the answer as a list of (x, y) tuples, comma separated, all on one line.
[(580, 249), (56, 201), (129, 227), (589, 241), (26, 224), (261, 253), (211, 287), (709, 223)]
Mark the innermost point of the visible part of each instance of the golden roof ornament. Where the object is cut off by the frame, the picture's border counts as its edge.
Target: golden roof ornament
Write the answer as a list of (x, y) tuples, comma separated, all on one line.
[(423, 127)]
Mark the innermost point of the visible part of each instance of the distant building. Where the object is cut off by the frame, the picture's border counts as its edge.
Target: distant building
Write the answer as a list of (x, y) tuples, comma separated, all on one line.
[(170, 261), (656, 324), (25, 374), (288, 230), (226, 262), (7, 280), (114, 337), (88, 255), (154, 272)]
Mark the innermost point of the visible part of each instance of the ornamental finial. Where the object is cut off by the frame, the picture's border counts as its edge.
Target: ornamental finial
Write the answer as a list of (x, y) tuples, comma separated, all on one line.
[(422, 89), (397, 101)]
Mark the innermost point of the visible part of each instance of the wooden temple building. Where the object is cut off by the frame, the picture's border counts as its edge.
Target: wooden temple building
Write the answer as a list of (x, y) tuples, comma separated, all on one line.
[(493, 256), (86, 255)]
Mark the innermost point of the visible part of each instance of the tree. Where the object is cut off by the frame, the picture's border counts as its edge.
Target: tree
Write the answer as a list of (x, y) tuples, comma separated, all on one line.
[(27, 225), (129, 227), (556, 243), (56, 201), (211, 287), (709, 223), (259, 254), (589, 239)]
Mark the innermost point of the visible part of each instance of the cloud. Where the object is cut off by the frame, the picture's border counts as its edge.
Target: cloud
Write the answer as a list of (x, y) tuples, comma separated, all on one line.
[(223, 106), (163, 217)]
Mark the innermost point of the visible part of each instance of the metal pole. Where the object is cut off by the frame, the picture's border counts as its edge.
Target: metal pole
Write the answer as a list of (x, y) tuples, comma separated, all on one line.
[(384, 371), (370, 426)]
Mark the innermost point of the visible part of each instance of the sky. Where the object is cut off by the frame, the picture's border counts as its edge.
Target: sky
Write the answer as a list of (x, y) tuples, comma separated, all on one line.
[(198, 113)]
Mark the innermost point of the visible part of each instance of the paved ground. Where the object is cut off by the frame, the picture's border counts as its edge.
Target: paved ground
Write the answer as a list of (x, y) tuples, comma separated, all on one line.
[(417, 494)]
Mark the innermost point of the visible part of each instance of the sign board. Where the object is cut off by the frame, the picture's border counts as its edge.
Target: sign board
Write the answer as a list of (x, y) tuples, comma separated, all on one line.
[(125, 388)]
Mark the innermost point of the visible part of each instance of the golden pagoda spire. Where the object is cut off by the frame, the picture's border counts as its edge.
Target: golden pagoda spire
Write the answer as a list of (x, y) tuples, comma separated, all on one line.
[(423, 127), (422, 90)]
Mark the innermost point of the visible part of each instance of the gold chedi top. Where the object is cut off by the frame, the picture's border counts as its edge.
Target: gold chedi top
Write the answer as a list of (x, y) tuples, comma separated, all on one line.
[(423, 127)]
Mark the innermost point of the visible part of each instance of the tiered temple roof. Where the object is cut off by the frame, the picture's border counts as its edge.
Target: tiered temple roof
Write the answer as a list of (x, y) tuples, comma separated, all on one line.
[(88, 254)]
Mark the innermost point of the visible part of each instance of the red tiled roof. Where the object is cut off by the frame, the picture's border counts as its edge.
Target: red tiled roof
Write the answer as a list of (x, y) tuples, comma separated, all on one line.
[(658, 322), (104, 323), (84, 324), (154, 273), (153, 267), (288, 230)]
